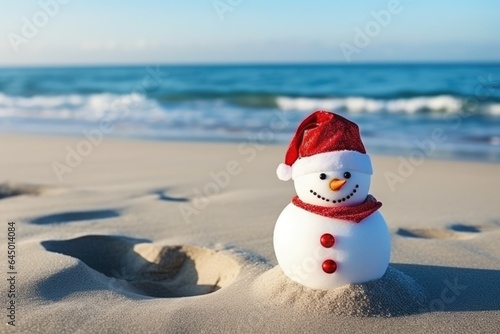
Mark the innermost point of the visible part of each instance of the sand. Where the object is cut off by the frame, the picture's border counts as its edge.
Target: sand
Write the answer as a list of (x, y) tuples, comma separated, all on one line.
[(174, 237)]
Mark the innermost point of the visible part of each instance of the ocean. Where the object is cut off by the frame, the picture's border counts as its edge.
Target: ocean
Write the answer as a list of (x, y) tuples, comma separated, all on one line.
[(437, 110)]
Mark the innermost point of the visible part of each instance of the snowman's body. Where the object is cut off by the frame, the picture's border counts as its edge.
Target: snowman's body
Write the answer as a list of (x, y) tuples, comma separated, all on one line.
[(332, 233), (361, 251)]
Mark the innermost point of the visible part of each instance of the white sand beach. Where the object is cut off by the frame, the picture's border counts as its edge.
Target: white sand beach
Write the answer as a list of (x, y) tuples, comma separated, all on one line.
[(176, 237)]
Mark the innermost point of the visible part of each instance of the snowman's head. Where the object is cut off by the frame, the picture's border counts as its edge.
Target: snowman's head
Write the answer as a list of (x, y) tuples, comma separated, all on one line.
[(333, 188)]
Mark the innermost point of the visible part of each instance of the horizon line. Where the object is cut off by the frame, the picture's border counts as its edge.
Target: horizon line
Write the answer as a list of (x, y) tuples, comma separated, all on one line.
[(250, 64)]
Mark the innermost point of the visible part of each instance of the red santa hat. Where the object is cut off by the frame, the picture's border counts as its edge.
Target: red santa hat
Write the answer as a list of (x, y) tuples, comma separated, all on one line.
[(324, 141)]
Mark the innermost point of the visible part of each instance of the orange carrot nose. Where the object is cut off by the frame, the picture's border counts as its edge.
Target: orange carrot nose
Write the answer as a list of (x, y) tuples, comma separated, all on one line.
[(336, 184)]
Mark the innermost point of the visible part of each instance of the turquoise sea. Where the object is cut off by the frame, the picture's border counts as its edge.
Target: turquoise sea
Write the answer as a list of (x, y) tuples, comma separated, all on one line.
[(398, 106)]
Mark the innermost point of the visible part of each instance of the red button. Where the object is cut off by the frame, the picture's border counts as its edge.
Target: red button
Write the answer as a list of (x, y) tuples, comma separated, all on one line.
[(329, 266), (327, 240)]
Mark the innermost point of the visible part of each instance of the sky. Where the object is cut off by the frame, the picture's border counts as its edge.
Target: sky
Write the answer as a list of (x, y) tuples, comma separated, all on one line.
[(60, 32)]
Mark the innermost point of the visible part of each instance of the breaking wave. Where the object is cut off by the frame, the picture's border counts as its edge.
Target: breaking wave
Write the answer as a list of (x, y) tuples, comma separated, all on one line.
[(357, 104), (79, 107), (140, 107)]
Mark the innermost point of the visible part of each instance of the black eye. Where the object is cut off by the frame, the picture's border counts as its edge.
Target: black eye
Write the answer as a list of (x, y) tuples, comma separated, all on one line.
[(347, 175), (322, 176)]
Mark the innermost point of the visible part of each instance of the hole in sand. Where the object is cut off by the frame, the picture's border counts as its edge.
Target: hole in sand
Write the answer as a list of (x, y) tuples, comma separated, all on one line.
[(163, 197), (149, 269), (465, 228), (74, 216), (15, 189), (458, 233)]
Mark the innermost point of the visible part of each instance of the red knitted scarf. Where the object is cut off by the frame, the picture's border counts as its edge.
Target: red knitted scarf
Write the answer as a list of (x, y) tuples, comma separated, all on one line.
[(354, 213)]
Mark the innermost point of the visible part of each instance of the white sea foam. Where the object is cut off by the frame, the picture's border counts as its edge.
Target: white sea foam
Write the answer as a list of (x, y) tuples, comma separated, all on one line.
[(361, 104), (137, 107), (79, 107), (494, 109)]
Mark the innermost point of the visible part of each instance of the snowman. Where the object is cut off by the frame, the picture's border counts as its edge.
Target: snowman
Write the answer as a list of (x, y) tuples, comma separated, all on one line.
[(331, 234)]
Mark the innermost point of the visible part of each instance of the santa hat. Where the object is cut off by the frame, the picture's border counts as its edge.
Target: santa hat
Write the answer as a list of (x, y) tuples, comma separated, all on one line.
[(324, 141)]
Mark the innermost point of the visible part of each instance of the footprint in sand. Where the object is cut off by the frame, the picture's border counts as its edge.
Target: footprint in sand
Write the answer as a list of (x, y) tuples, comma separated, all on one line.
[(140, 267), (159, 195), (17, 189), (457, 231), (162, 196), (74, 216)]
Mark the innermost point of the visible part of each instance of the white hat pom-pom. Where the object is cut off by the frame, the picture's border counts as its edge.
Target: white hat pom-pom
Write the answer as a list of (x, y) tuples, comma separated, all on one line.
[(284, 172)]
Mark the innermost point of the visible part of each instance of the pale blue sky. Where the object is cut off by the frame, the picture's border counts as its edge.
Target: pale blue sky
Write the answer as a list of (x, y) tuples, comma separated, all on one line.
[(167, 31)]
